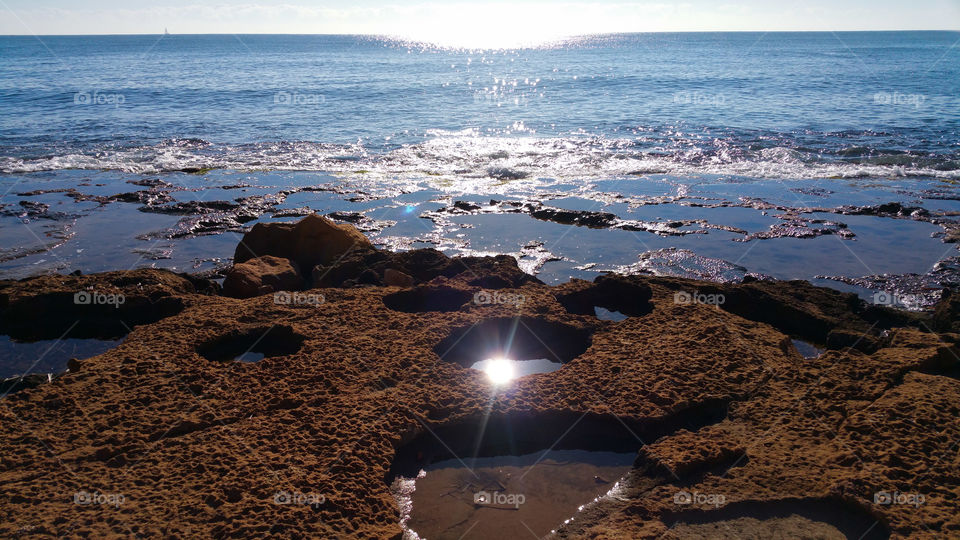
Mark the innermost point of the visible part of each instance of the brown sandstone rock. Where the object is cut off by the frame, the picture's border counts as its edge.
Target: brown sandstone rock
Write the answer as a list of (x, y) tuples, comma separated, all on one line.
[(422, 265), (262, 275), (106, 305), (795, 446), (311, 241), (396, 278)]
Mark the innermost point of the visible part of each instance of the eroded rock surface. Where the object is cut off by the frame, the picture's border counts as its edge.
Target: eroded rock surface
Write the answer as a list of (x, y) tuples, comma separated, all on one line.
[(262, 275), (311, 241), (734, 430)]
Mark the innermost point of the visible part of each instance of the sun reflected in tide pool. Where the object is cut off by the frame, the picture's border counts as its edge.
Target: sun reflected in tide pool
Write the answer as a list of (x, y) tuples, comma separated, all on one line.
[(502, 371)]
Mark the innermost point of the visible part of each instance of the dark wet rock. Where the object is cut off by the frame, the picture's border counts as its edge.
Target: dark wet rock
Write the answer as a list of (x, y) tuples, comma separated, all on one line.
[(12, 385), (37, 192), (946, 315), (155, 253), (720, 227), (292, 212), (312, 241), (668, 228), (800, 309), (349, 217), (951, 233), (795, 226), (760, 204), (466, 206), (359, 196), (687, 264), (891, 209), (262, 275), (580, 218), (909, 291), (146, 197), (506, 204), (203, 284), (592, 219), (151, 183), (257, 205), (193, 226), (245, 215), (816, 192), (422, 265), (192, 207), (195, 170), (361, 222), (499, 272), (33, 208)]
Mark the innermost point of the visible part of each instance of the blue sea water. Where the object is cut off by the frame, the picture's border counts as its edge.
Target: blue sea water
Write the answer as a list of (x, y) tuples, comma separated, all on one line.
[(767, 105)]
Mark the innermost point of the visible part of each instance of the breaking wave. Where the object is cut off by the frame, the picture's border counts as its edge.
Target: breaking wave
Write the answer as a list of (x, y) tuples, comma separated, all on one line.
[(466, 154)]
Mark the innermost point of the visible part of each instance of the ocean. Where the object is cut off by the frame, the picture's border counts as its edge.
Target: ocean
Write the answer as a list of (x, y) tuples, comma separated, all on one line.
[(709, 155), (769, 105)]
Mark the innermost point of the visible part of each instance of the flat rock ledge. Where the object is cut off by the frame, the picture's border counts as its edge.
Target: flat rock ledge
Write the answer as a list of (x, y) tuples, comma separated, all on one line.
[(166, 435)]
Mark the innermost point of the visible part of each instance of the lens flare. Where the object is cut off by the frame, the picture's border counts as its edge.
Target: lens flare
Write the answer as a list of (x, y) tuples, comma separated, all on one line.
[(500, 371)]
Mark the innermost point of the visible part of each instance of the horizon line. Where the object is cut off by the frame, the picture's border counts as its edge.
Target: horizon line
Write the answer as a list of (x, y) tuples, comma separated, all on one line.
[(956, 30)]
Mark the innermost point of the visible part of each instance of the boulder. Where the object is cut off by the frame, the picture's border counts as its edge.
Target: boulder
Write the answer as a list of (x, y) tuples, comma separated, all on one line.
[(262, 275), (396, 278), (312, 241)]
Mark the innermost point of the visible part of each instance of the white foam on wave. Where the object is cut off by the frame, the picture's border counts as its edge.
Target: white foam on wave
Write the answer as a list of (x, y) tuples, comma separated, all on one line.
[(466, 155)]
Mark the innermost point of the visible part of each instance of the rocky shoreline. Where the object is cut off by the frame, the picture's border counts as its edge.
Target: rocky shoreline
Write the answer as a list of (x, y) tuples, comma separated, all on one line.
[(365, 357)]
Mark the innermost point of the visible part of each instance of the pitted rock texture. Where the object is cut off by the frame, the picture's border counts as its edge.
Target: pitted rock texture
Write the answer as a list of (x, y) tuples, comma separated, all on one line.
[(717, 402)]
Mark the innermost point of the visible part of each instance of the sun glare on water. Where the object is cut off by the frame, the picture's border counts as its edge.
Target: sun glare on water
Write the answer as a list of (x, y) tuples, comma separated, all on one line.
[(500, 371), (478, 26)]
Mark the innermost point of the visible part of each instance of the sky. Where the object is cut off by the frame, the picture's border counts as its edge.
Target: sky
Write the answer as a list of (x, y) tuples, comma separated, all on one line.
[(469, 22)]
